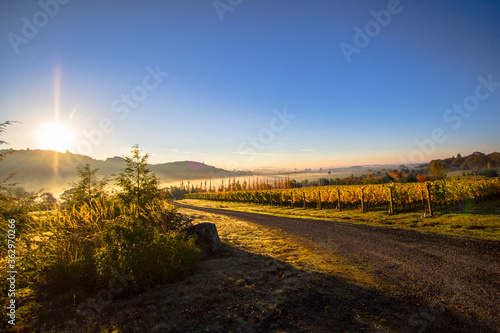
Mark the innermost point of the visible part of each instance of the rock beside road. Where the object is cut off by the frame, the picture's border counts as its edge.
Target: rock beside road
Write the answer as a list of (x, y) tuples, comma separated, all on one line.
[(208, 240), (448, 284)]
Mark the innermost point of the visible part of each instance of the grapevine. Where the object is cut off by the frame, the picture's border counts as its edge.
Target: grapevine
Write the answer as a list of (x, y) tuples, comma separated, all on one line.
[(443, 192)]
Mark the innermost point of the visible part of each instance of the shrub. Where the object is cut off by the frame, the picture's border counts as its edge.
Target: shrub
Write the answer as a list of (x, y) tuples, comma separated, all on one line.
[(59, 263), (146, 255), (66, 253), (165, 216), (488, 173)]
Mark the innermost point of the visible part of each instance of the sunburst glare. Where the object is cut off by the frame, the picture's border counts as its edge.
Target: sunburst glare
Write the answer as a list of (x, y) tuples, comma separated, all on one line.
[(55, 137)]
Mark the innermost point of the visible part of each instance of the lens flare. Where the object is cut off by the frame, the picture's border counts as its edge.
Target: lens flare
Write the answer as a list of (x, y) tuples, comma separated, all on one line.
[(55, 137)]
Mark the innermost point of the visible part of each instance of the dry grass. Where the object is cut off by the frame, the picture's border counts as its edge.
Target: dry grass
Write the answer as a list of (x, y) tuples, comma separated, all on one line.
[(480, 221), (281, 246), (262, 280), (254, 283)]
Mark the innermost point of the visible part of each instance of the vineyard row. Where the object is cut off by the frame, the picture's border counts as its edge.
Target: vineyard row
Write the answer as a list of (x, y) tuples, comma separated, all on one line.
[(405, 195)]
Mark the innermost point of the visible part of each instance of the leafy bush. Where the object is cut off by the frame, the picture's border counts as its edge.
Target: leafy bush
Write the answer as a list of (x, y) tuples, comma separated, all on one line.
[(66, 251), (62, 265), (148, 256), (58, 248), (488, 173), (164, 216)]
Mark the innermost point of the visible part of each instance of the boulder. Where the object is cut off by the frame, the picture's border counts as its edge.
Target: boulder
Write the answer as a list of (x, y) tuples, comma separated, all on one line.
[(208, 240)]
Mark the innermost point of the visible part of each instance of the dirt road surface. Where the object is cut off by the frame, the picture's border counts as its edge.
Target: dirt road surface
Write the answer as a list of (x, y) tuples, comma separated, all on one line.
[(451, 283)]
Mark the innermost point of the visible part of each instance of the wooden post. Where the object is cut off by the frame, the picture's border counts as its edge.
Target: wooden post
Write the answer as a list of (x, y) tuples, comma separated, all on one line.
[(281, 199), (291, 194), (362, 200), (391, 208), (319, 200), (304, 197), (429, 200), (338, 200)]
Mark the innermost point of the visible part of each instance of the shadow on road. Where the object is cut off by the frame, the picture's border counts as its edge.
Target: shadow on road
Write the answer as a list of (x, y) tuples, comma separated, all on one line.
[(238, 291)]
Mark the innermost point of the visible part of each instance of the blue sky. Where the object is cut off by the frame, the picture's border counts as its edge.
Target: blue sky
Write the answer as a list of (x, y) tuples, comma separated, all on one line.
[(227, 72)]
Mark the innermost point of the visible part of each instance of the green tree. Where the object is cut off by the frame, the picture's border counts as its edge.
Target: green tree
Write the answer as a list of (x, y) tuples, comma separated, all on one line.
[(3, 154), (89, 187), (177, 192), (47, 201), (139, 184), (48, 198), (437, 169)]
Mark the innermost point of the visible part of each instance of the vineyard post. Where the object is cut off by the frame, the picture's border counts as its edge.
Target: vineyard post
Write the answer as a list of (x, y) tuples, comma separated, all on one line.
[(391, 208), (362, 200), (304, 197), (319, 200), (338, 202), (291, 193), (429, 200), (281, 199)]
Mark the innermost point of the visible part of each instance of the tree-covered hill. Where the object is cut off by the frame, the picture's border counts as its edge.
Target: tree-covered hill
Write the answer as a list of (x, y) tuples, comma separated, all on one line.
[(54, 171), (475, 161)]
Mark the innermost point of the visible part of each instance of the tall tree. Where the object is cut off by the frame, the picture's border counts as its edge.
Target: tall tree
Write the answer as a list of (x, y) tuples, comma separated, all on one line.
[(437, 169), (3, 155), (139, 184), (89, 187), (2, 142), (47, 198)]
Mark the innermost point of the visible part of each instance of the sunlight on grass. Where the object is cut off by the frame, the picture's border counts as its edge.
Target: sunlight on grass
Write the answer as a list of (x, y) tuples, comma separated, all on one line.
[(300, 253), (481, 221)]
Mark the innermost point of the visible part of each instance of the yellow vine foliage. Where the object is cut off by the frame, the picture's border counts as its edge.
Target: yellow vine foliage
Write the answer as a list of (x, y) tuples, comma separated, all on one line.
[(442, 191)]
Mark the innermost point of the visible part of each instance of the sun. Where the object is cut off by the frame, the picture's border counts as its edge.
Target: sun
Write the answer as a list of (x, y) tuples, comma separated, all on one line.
[(52, 136)]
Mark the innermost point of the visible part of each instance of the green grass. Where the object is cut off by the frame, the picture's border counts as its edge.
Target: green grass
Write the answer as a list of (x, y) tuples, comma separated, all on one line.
[(480, 221), (64, 256)]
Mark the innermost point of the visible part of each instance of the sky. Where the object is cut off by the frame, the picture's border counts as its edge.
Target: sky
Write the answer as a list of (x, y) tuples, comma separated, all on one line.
[(244, 84)]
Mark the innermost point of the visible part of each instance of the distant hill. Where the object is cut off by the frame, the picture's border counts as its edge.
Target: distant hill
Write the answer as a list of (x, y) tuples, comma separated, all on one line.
[(475, 161), (54, 171)]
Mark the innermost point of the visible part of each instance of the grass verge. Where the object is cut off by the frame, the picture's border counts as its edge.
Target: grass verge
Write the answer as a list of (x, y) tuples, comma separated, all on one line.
[(262, 280), (481, 221)]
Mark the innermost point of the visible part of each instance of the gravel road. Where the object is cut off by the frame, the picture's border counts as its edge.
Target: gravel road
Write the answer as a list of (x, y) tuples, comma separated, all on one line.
[(448, 279)]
